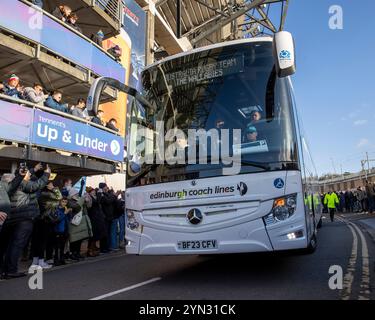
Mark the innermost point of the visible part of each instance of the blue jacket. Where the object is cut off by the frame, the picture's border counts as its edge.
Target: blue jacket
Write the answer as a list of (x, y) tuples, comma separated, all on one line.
[(53, 104), (62, 224), (12, 92)]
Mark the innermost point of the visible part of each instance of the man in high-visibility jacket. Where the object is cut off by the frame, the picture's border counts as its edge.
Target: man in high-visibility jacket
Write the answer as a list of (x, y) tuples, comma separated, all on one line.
[(331, 200)]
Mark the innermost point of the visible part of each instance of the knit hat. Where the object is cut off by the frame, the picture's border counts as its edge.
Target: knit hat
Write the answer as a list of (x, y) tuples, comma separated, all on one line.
[(100, 34), (13, 77), (251, 129)]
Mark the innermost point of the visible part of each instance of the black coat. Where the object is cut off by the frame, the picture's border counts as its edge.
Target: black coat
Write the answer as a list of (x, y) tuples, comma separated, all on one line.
[(97, 218), (120, 208), (49, 199), (58, 14), (24, 202), (112, 127), (6, 190), (108, 203)]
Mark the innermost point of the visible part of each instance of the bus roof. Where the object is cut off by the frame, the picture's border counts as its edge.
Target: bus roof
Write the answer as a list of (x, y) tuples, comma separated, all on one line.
[(210, 47)]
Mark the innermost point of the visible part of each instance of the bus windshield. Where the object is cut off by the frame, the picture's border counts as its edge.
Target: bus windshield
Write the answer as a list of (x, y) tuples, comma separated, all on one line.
[(229, 87)]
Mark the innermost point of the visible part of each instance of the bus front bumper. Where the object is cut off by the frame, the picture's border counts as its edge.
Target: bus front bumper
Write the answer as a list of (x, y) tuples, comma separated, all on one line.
[(251, 236)]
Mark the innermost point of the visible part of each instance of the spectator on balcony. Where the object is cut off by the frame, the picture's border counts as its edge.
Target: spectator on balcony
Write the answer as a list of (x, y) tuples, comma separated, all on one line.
[(54, 102), (78, 110), (116, 52), (98, 119), (112, 124), (62, 13), (72, 21), (35, 94), (38, 3), (12, 88), (98, 38)]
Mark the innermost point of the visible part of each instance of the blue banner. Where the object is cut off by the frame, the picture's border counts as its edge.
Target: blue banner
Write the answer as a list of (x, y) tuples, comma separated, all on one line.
[(134, 25), (15, 122), (56, 132)]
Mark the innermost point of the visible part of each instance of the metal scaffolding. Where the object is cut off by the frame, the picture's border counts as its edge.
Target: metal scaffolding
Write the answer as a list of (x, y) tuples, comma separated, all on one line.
[(210, 21)]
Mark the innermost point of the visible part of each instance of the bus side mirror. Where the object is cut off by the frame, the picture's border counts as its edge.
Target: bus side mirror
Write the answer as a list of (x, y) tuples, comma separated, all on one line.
[(284, 54)]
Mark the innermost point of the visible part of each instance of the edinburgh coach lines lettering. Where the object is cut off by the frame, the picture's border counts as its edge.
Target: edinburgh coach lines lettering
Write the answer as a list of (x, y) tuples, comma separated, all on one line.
[(191, 193)]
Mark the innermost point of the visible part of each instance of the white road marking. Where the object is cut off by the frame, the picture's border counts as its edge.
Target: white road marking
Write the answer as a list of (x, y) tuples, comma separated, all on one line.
[(365, 283), (365, 280), (349, 276), (110, 294)]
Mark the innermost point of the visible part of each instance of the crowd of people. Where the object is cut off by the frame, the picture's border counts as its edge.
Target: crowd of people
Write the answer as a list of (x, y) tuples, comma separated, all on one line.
[(357, 200), (65, 14), (36, 94), (49, 224)]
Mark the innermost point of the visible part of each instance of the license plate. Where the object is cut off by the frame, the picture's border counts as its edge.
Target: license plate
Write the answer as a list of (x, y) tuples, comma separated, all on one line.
[(197, 245)]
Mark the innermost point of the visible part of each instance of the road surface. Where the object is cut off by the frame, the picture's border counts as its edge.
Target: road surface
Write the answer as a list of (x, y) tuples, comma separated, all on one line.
[(290, 275)]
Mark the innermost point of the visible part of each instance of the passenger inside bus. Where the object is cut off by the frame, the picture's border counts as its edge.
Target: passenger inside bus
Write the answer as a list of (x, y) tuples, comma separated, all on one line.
[(251, 134), (255, 117)]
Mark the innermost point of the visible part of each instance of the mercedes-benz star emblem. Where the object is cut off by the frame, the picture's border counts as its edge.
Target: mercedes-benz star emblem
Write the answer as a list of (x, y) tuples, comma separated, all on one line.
[(195, 216), (194, 183), (242, 188)]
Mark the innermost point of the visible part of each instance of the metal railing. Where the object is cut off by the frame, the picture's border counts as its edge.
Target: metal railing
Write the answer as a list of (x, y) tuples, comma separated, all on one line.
[(111, 7), (31, 105)]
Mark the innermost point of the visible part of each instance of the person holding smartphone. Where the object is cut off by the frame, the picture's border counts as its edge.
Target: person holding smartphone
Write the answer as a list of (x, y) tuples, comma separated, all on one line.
[(19, 223), (7, 186)]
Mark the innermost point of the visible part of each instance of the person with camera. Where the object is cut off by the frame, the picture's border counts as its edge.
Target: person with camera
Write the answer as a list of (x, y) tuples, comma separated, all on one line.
[(107, 199), (80, 227), (8, 185), (97, 219), (35, 94), (19, 224), (42, 236)]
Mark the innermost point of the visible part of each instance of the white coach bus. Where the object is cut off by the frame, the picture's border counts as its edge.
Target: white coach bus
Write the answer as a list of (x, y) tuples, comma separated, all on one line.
[(270, 202)]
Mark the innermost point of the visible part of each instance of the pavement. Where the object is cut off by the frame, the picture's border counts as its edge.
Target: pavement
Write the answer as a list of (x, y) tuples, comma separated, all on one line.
[(345, 244)]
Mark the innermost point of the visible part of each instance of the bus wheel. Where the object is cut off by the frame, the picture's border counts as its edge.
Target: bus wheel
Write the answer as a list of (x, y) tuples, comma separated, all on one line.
[(320, 223), (312, 245)]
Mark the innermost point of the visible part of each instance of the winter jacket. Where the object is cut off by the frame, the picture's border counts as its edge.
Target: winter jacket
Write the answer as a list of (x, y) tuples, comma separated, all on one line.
[(12, 92), (6, 190), (112, 127), (97, 121), (49, 200), (53, 104), (84, 229), (24, 201), (108, 203), (97, 218), (61, 226), (370, 190), (331, 200), (31, 95), (74, 26), (58, 14), (120, 208), (77, 112), (360, 194)]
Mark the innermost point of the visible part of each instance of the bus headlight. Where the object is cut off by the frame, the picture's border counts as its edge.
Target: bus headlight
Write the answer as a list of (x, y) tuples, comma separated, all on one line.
[(131, 221), (283, 208)]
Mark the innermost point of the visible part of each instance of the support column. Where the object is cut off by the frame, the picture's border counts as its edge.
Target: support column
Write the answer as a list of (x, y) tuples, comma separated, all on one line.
[(150, 12)]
